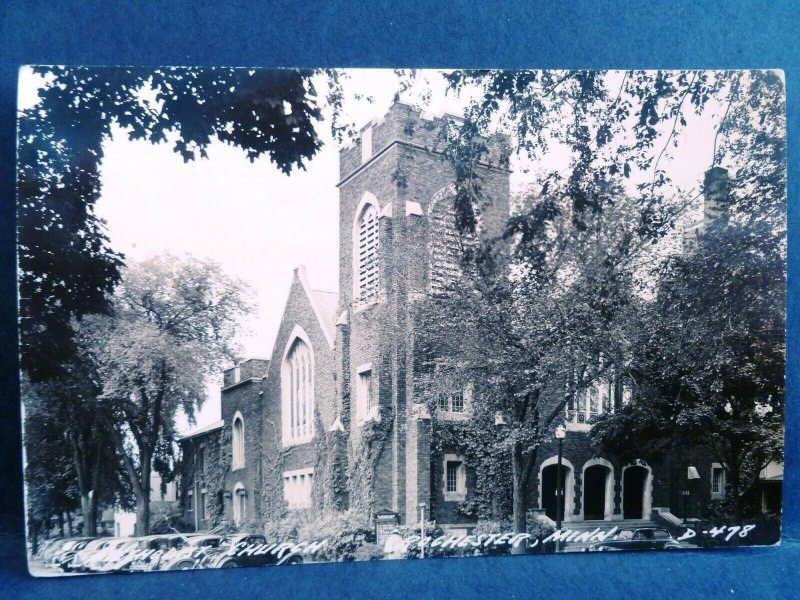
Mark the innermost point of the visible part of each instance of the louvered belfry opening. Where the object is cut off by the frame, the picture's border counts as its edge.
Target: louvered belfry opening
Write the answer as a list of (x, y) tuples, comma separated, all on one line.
[(446, 245), (368, 254)]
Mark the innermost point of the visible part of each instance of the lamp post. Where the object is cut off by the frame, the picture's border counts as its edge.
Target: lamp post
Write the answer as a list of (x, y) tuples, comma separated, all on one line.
[(422, 530), (561, 433)]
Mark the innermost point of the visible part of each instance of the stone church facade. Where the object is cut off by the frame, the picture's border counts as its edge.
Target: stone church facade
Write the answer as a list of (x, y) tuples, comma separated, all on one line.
[(331, 421)]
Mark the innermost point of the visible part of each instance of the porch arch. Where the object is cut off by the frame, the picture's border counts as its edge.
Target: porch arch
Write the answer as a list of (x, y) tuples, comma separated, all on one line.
[(547, 486), (597, 489), (637, 490)]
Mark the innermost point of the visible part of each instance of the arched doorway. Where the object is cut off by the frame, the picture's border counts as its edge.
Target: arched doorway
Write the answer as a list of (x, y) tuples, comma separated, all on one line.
[(548, 472), (635, 496), (598, 481)]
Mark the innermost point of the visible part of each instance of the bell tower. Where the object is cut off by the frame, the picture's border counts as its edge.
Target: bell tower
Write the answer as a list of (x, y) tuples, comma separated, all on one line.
[(391, 181)]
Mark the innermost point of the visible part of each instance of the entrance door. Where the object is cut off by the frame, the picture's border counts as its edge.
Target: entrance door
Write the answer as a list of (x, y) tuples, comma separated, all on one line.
[(595, 480), (633, 482), (549, 476)]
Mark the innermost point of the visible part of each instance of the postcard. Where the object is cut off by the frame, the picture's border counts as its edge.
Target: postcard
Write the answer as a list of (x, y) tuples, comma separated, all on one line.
[(283, 317)]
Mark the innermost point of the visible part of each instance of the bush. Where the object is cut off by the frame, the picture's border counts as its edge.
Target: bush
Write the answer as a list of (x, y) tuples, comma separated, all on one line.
[(345, 532), (368, 551)]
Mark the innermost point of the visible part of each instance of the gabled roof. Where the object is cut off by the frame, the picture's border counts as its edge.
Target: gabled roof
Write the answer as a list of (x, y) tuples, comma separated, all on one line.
[(324, 305)]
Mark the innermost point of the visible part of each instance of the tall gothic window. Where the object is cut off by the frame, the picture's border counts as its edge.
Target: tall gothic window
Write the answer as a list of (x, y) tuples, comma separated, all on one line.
[(366, 254), (238, 442), (298, 394), (446, 244)]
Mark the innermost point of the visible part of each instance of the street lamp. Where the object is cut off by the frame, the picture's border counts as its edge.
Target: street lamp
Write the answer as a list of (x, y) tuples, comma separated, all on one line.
[(561, 433), (421, 530)]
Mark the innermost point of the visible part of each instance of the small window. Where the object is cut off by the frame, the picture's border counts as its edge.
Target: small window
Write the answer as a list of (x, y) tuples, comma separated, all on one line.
[(453, 406), (239, 504), (201, 460), (203, 506), (237, 440), (366, 403), (717, 480), (364, 383), (452, 475), (660, 534), (190, 501), (297, 488), (455, 478)]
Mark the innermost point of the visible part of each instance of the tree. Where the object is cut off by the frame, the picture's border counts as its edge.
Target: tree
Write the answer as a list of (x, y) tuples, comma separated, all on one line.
[(710, 360), (537, 319), (173, 323), (710, 357), (66, 268), (561, 300)]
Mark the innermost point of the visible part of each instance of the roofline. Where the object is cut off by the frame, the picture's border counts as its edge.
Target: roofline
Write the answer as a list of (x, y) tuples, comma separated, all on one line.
[(330, 335), (207, 429), (393, 143), (241, 381)]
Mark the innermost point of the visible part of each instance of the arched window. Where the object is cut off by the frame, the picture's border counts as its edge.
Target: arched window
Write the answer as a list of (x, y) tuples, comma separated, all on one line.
[(239, 504), (446, 243), (238, 442), (365, 253), (297, 392)]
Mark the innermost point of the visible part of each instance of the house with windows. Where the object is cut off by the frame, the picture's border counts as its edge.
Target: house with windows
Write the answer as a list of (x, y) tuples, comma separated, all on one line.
[(332, 420)]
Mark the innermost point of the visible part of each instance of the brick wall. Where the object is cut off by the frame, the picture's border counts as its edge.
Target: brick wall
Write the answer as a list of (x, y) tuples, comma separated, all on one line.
[(247, 399), (298, 311)]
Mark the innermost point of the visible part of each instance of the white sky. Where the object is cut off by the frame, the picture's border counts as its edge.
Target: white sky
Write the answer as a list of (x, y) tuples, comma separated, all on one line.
[(259, 223)]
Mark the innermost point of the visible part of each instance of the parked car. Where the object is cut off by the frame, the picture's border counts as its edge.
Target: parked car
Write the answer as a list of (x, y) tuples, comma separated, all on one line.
[(154, 549), (193, 555), (252, 550), (107, 559), (81, 555), (63, 556), (46, 555), (643, 538), (45, 547)]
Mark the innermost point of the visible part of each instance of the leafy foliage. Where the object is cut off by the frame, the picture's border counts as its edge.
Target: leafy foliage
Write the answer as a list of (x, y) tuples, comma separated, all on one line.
[(173, 324), (66, 268), (565, 295), (709, 350)]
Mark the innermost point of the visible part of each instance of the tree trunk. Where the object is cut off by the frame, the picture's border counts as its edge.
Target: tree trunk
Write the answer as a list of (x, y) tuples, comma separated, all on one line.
[(69, 523), (519, 501), (89, 508), (61, 523), (34, 529), (143, 514)]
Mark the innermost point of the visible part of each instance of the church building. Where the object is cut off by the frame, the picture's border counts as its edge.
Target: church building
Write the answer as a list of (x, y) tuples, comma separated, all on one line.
[(330, 420)]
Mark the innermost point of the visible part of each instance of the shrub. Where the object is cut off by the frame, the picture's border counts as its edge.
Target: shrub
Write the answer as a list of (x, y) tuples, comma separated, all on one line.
[(368, 551), (345, 532)]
